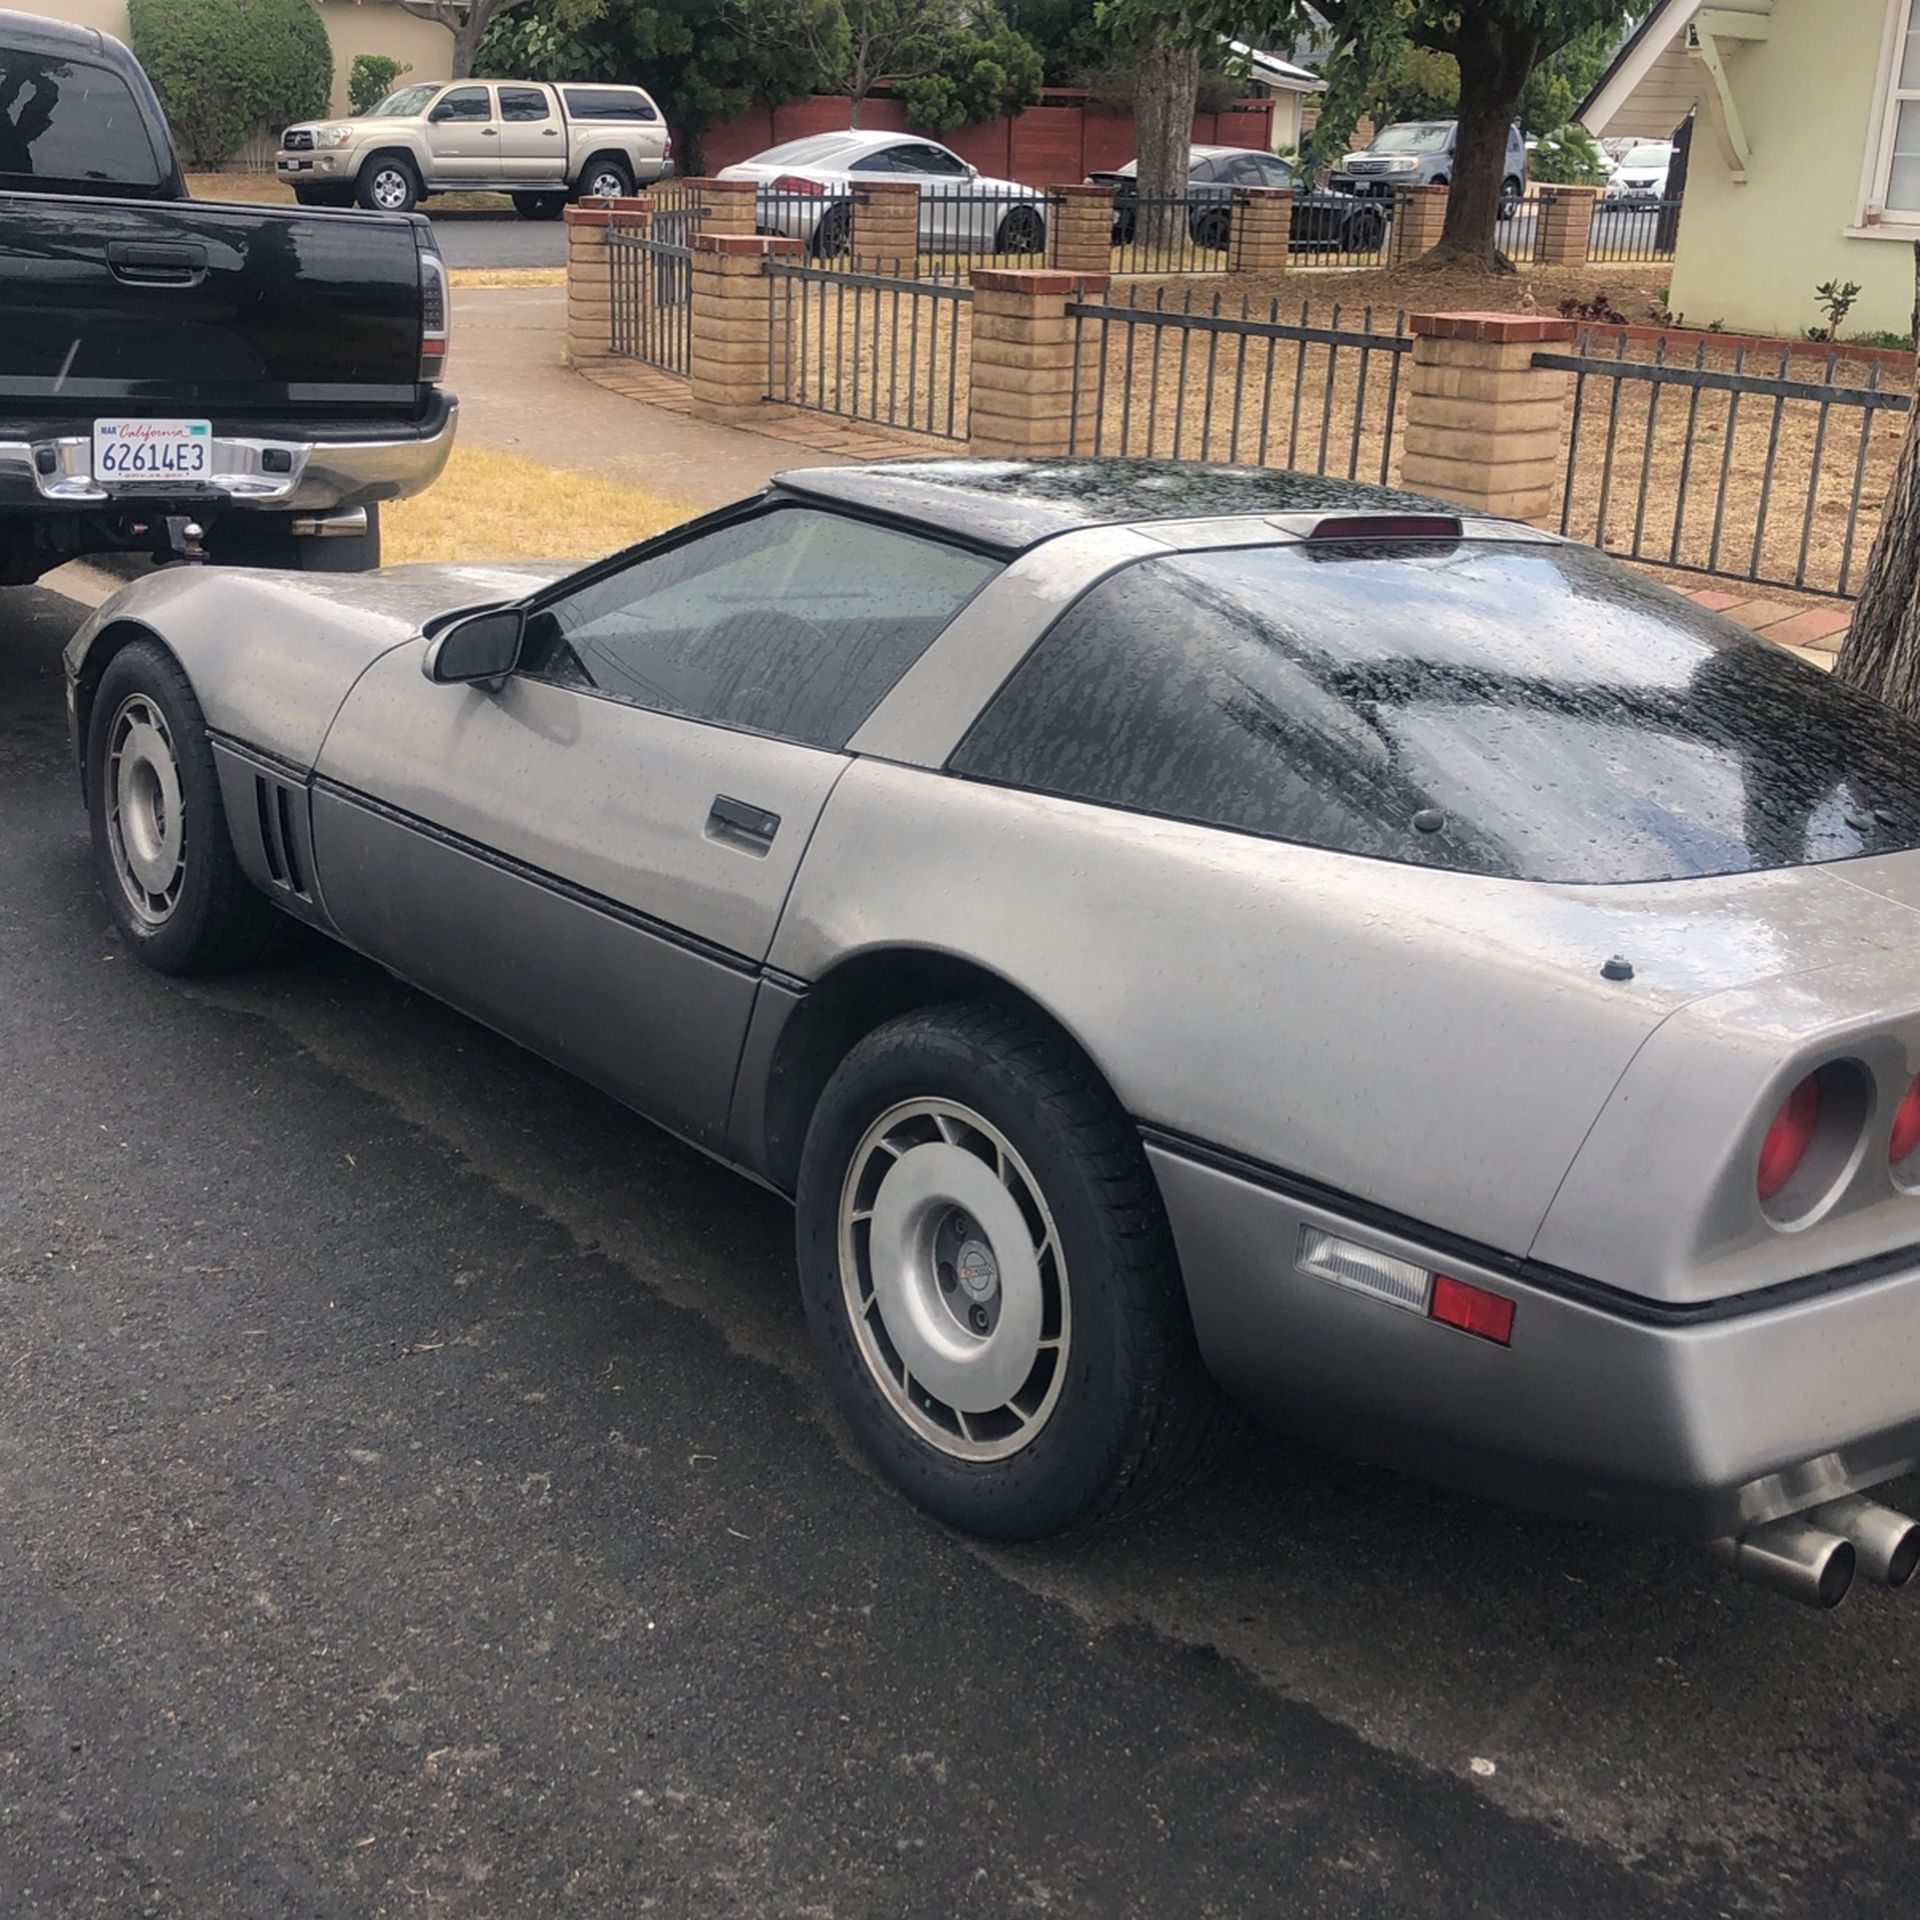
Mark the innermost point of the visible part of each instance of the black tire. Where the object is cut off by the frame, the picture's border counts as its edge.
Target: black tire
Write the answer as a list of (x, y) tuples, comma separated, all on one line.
[(1021, 230), (1364, 232), (539, 206), (388, 184), (1126, 225), (324, 196), (1511, 194), (1135, 1413), (832, 232), (607, 177), (264, 540), (1212, 229), (217, 921)]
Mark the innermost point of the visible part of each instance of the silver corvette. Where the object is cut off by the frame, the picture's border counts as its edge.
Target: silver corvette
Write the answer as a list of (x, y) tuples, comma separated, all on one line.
[(1169, 929)]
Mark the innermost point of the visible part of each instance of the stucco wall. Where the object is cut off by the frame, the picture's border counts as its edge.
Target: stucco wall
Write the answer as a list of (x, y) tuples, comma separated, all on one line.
[(1750, 255), (354, 26)]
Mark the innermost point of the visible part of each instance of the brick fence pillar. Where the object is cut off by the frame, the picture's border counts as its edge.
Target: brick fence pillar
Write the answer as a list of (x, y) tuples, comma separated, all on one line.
[(1262, 231), (1566, 226), (589, 286), (731, 333), (886, 226), (1021, 373), (1080, 237), (1485, 426), (727, 206), (1418, 215)]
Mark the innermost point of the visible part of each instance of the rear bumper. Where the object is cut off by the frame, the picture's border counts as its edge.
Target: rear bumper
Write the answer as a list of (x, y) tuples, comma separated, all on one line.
[(1697, 1422), (277, 475)]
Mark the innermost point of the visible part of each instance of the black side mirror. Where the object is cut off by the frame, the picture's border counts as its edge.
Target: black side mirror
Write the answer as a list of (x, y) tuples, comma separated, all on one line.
[(441, 112), (477, 647)]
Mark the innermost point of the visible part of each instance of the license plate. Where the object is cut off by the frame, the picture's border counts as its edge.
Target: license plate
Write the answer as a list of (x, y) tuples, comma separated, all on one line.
[(152, 450)]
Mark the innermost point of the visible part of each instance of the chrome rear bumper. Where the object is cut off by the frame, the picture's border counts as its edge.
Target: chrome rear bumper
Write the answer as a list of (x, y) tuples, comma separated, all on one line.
[(281, 476)]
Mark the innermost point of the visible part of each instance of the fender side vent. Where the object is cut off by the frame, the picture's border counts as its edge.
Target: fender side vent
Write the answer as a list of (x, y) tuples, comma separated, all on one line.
[(281, 844)]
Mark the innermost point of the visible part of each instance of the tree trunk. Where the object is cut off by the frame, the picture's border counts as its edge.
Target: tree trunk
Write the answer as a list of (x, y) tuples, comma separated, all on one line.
[(1163, 101), (1881, 654), (1494, 66), (466, 40)]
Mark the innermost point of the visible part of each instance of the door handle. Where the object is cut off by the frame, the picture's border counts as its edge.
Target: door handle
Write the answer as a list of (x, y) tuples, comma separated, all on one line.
[(490, 133), (145, 263), (552, 133), (741, 823)]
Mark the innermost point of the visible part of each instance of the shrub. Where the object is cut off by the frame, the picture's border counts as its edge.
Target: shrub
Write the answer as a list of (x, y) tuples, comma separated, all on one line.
[(370, 79), (1569, 156), (226, 68)]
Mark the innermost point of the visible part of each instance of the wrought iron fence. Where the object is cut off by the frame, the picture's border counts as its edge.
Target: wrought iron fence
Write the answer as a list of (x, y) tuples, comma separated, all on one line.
[(820, 217), (1753, 474), (650, 286), (963, 227), (885, 347), (1626, 231), (1181, 233), (1222, 380), (1342, 229)]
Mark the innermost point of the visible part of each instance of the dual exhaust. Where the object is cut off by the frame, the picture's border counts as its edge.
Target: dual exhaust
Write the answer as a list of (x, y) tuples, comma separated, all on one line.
[(1812, 1557)]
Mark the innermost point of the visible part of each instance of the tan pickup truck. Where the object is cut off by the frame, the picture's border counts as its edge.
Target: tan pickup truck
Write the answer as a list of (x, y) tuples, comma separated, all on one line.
[(541, 144)]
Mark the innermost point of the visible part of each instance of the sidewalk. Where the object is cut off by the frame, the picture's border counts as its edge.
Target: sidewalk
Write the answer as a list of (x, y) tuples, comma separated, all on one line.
[(515, 394)]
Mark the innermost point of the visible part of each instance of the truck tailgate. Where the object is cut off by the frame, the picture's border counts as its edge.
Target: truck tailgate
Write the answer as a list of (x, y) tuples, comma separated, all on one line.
[(190, 307)]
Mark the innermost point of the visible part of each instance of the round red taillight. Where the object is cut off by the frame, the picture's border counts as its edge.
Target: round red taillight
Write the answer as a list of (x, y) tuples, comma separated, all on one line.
[(1906, 1124), (1789, 1137)]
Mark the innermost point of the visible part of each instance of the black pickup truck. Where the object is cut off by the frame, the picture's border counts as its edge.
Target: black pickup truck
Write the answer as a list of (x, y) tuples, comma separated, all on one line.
[(178, 377)]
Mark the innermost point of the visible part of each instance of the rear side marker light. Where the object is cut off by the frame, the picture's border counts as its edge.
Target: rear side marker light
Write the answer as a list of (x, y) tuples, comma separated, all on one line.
[(1789, 1137), (1473, 1310), (1906, 1124), (1404, 1283)]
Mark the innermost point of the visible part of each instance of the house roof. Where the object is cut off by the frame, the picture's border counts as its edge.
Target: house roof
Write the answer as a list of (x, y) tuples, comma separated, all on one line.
[(1269, 70), (1654, 82)]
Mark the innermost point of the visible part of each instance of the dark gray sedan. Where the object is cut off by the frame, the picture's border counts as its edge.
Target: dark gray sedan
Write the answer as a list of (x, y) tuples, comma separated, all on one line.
[(1168, 928)]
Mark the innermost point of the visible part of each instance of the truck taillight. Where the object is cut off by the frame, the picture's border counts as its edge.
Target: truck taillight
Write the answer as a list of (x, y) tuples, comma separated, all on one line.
[(435, 316)]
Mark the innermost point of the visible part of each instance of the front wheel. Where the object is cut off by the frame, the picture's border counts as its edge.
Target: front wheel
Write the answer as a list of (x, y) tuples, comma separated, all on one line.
[(161, 849), (1365, 232), (1510, 196), (990, 1281), (1212, 229), (1021, 230), (388, 184)]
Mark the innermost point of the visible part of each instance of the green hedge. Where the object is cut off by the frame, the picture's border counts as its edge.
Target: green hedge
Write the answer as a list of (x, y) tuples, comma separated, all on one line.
[(226, 68)]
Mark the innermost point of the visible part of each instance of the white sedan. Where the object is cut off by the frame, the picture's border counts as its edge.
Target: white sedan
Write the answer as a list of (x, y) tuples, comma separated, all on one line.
[(807, 189), (1640, 180)]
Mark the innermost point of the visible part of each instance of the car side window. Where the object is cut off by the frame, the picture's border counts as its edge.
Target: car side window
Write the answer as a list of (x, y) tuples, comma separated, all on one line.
[(882, 162), (522, 104), (923, 157), (1269, 172), (794, 622), (464, 103)]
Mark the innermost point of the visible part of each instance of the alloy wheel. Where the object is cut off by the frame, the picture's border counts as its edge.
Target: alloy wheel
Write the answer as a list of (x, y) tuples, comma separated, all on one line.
[(146, 822)]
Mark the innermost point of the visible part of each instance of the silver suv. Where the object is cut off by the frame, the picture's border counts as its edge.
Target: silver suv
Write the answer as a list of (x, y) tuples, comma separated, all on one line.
[(1419, 153)]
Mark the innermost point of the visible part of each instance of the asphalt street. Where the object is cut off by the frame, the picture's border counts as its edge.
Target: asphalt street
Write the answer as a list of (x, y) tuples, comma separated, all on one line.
[(469, 239), (418, 1503)]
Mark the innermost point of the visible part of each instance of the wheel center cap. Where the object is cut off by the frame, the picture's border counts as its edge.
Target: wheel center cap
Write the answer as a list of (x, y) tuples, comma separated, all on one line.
[(978, 1271)]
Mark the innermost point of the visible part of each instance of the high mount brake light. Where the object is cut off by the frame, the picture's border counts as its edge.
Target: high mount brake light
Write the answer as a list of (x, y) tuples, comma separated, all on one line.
[(1789, 1137), (1387, 526)]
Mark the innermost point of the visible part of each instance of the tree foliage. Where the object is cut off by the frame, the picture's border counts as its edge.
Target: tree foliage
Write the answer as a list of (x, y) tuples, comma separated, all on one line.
[(468, 21), (224, 69), (1497, 46), (371, 78), (980, 75), (1568, 156)]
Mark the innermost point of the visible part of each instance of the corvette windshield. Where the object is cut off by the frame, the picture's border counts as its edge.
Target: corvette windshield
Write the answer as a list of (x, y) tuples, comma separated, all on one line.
[(1526, 710)]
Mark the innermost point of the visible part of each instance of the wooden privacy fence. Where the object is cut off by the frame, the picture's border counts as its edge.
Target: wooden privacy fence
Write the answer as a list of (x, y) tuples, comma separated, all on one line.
[(1715, 460)]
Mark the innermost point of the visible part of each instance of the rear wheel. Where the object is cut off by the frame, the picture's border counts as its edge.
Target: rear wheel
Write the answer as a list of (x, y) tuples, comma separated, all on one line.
[(324, 196), (832, 233), (990, 1280), (605, 178), (161, 849), (265, 540), (1364, 232), (1211, 229), (539, 206), (1510, 195), (388, 184)]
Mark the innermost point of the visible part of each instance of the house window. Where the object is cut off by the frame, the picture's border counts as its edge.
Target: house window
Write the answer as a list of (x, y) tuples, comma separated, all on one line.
[(1892, 187)]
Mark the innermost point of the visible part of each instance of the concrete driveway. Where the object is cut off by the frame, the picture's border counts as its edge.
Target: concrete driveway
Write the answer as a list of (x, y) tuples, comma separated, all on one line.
[(418, 1503)]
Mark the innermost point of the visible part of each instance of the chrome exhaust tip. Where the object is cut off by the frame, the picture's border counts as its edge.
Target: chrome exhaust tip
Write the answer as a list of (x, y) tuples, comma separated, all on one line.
[(1791, 1556), (1887, 1543)]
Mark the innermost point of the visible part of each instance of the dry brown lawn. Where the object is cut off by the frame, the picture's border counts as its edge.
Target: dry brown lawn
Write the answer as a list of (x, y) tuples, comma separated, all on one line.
[(501, 506), (268, 190)]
